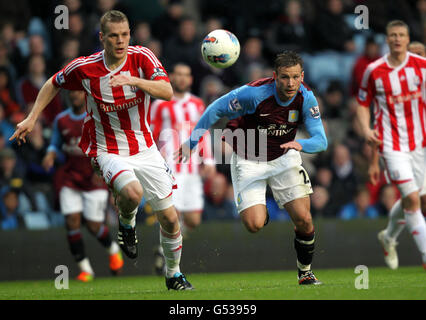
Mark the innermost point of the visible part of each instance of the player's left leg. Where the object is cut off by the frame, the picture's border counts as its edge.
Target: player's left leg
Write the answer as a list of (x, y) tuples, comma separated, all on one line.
[(171, 242), (304, 241)]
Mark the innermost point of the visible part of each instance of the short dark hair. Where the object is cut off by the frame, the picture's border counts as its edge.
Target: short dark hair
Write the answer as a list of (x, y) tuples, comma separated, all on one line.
[(397, 23), (288, 59), (112, 16)]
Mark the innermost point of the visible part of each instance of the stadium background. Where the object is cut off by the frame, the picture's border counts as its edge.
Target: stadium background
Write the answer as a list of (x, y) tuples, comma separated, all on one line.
[(335, 54)]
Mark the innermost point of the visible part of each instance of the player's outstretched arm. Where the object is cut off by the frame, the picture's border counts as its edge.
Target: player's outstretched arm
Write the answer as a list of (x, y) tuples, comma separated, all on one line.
[(46, 94), (159, 89)]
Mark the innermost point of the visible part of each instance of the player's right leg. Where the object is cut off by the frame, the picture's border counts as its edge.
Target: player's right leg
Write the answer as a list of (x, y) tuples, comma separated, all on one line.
[(71, 205), (119, 175)]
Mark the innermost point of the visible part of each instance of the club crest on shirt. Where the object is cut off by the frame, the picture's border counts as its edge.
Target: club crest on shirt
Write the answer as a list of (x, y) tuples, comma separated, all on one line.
[(293, 116), (315, 112)]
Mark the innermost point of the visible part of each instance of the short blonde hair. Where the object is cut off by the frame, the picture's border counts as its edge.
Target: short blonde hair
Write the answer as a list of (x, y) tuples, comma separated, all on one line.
[(397, 23), (112, 16)]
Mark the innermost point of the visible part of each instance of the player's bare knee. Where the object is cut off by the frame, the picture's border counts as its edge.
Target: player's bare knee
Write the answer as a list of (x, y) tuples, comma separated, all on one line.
[(304, 223), (132, 193), (253, 226), (73, 221), (411, 202)]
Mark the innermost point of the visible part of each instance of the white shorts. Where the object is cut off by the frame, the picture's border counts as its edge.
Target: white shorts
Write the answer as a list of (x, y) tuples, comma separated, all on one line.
[(189, 195), (285, 176), (148, 167), (91, 204), (406, 170)]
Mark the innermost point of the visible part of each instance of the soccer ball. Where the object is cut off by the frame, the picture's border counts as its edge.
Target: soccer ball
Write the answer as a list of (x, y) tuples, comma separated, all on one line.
[(220, 48)]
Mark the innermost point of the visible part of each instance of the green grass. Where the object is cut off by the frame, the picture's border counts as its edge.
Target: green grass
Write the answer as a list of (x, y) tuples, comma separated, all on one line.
[(384, 284)]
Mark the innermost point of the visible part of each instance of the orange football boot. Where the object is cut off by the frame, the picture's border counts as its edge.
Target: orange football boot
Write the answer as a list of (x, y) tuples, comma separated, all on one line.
[(85, 277), (116, 263)]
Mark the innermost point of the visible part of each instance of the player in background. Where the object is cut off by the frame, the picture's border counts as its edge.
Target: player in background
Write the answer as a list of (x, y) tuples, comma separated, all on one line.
[(119, 83), (396, 84), (374, 170), (82, 191), (268, 111), (171, 123)]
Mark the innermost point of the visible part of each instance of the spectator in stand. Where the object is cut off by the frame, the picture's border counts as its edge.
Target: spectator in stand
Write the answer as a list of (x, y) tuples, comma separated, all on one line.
[(9, 203), (218, 206), (388, 195), (7, 94), (289, 31), (360, 206), (371, 53), (320, 202), (40, 189), (330, 29), (183, 46), (344, 181), (142, 34), (6, 128), (168, 23), (31, 84), (251, 55)]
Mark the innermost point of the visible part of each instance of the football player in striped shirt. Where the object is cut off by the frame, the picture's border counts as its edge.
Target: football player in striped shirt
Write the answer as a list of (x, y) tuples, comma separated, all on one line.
[(396, 84), (119, 83)]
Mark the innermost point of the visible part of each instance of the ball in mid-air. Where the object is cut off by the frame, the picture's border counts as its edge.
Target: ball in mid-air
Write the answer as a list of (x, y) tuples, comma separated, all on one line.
[(220, 48)]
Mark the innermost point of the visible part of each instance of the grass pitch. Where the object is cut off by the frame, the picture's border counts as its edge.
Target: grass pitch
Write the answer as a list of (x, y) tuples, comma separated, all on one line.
[(406, 283)]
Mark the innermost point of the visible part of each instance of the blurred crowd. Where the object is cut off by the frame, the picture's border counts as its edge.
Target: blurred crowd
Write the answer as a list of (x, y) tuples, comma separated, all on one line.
[(324, 32)]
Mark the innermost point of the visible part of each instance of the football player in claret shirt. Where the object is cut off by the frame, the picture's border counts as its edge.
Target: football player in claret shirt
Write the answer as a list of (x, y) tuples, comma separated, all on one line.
[(119, 83), (81, 190), (268, 112), (396, 84)]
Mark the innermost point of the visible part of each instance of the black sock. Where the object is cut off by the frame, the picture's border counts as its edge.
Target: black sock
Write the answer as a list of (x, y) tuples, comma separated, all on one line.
[(304, 245), (76, 244)]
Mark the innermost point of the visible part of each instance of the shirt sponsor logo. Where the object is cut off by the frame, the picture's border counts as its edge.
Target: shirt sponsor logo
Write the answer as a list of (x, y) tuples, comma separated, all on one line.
[(315, 112), (111, 107)]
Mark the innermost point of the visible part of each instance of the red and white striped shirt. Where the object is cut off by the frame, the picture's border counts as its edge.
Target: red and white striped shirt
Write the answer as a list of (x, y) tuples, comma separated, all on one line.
[(117, 118), (171, 123), (399, 100)]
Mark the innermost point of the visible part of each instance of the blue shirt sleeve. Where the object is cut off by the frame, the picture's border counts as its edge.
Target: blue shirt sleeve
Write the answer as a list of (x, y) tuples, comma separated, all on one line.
[(312, 120), (234, 104), (56, 139)]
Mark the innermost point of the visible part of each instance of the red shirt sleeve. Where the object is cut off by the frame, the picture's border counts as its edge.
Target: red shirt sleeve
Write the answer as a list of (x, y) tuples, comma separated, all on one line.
[(151, 66), (70, 77), (366, 90)]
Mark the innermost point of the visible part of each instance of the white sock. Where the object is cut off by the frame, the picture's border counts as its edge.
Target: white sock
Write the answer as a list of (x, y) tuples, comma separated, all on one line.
[(128, 219), (396, 221), (172, 250), (114, 248), (85, 266), (417, 226)]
